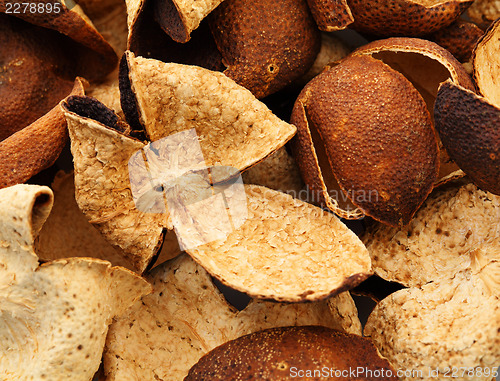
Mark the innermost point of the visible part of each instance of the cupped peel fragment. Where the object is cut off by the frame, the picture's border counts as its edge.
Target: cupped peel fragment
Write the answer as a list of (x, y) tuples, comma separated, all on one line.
[(54, 317), (163, 335)]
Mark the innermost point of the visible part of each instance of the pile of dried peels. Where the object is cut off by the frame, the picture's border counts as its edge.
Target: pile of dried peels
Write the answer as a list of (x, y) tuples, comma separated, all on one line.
[(156, 152)]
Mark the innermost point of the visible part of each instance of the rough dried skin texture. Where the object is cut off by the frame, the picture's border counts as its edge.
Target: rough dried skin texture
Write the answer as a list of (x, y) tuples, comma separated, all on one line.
[(426, 65), (92, 56), (468, 127), (287, 350), (405, 17), (107, 92), (162, 335), (351, 106), (103, 193), (227, 118), (458, 38), (34, 73), (484, 12), (178, 18), (332, 49), (54, 317), (35, 147), (265, 44), (487, 64), (331, 15), (436, 244), (279, 172), (453, 323), (280, 235)]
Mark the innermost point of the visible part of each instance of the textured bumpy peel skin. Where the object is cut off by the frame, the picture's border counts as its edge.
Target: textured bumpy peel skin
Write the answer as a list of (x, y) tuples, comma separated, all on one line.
[(442, 325), (468, 127), (287, 350), (451, 223), (227, 118), (426, 65), (94, 57), (405, 17), (265, 44), (162, 335), (103, 193), (35, 147), (331, 15), (349, 107), (279, 236), (484, 12), (54, 317)]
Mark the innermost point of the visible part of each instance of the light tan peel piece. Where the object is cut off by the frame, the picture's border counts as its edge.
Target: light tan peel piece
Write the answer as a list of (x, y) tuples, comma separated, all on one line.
[(103, 193), (54, 317), (279, 172), (286, 250), (228, 119), (451, 223), (449, 324), (484, 12), (162, 336)]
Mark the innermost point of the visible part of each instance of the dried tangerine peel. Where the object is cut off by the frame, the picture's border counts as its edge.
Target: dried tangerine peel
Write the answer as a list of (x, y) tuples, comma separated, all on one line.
[(468, 127), (426, 65), (227, 118), (163, 336), (331, 15), (279, 172), (101, 155), (178, 18), (436, 244), (459, 39), (405, 17), (95, 58), (265, 44), (450, 324), (486, 64), (345, 108), (54, 317), (484, 12), (279, 235), (35, 147)]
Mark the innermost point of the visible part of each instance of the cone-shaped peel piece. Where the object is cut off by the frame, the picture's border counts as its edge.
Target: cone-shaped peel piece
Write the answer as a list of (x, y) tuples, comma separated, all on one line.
[(53, 317)]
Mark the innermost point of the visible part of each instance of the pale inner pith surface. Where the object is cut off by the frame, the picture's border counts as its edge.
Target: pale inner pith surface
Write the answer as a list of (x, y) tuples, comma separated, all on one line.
[(487, 68)]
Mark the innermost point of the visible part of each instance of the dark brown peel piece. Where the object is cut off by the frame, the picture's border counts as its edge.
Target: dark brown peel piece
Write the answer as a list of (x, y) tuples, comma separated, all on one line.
[(36, 147), (331, 15), (265, 44), (373, 137), (405, 17), (458, 38), (94, 58), (469, 129), (288, 350)]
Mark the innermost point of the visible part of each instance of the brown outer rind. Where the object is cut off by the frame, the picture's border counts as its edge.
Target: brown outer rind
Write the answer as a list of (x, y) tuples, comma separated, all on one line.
[(469, 129), (459, 39), (95, 58), (331, 15), (35, 147), (404, 17), (360, 101), (425, 48), (486, 64), (103, 193), (289, 349), (279, 235), (265, 44)]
